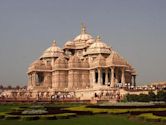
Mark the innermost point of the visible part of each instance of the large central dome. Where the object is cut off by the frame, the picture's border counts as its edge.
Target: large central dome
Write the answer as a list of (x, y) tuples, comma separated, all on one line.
[(84, 36), (83, 40)]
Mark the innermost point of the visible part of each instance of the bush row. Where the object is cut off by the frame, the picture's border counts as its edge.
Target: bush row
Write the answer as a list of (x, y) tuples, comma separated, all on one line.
[(37, 117), (151, 96)]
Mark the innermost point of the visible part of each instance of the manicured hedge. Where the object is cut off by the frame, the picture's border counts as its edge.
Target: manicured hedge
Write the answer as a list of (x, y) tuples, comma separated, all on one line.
[(12, 117), (48, 117), (29, 118), (65, 115)]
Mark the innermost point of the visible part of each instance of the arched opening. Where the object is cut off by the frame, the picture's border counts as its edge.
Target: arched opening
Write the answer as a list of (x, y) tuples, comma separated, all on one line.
[(96, 76), (103, 76), (39, 78)]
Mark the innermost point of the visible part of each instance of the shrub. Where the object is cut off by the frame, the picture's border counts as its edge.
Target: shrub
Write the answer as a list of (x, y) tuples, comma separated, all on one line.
[(34, 112), (151, 96), (23, 107), (48, 117), (65, 115), (149, 117), (29, 118), (37, 107), (118, 111), (62, 116), (12, 117)]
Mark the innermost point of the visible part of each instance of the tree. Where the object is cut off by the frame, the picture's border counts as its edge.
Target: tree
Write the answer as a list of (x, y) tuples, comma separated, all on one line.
[(161, 95), (17, 87), (9, 87), (143, 98), (152, 96)]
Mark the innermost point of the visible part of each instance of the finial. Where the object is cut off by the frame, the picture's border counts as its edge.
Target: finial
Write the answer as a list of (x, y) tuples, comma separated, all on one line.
[(83, 28), (98, 38), (53, 43)]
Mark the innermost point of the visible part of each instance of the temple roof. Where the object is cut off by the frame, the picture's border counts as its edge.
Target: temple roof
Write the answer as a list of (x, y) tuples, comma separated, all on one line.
[(98, 47), (115, 60)]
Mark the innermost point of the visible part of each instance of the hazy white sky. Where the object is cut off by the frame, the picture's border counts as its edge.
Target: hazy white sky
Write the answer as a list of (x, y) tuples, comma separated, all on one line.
[(134, 28)]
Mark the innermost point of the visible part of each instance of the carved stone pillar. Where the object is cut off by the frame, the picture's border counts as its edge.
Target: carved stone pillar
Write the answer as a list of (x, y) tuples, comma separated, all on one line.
[(94, 78), (34, 79), (71, 79), (112, 77), (99, 76), (123, 75), (91, 77), (29, 80), (116, 73)]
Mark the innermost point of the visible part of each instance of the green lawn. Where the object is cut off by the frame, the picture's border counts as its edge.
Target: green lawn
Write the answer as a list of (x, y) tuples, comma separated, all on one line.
[(99, 119), (81, 120)]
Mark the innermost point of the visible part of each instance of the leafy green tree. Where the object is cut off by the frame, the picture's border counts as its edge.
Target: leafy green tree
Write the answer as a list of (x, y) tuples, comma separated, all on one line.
[(143, 98), (152, 96)]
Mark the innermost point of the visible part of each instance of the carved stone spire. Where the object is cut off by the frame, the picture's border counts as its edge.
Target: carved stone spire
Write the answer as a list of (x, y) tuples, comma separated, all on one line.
[(98, 38), (83, 29), (53, 43)]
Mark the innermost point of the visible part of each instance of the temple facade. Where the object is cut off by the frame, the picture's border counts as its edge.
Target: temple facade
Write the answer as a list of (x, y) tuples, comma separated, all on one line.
[(84, 63)]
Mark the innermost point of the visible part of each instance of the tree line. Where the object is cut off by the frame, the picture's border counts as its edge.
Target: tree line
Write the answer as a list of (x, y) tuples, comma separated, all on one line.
[(151, 96)]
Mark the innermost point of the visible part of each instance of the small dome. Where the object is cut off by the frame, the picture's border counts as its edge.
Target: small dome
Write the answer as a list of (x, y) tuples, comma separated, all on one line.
[(52, 51), (115, 60), (69, 44), (74, 62), (60, 62), (99, 61), (98, 47), (37, 63)]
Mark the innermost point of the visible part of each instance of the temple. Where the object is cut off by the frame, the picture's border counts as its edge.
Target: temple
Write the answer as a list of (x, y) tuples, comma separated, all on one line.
[(85, 66)]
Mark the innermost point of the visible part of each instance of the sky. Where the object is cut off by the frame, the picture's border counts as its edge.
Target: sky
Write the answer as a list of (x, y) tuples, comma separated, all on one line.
[(134, 28)]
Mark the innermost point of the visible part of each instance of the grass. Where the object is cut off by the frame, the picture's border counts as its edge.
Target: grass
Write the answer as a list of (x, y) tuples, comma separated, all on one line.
[(112, 111), (83, 120), (151, 117)]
